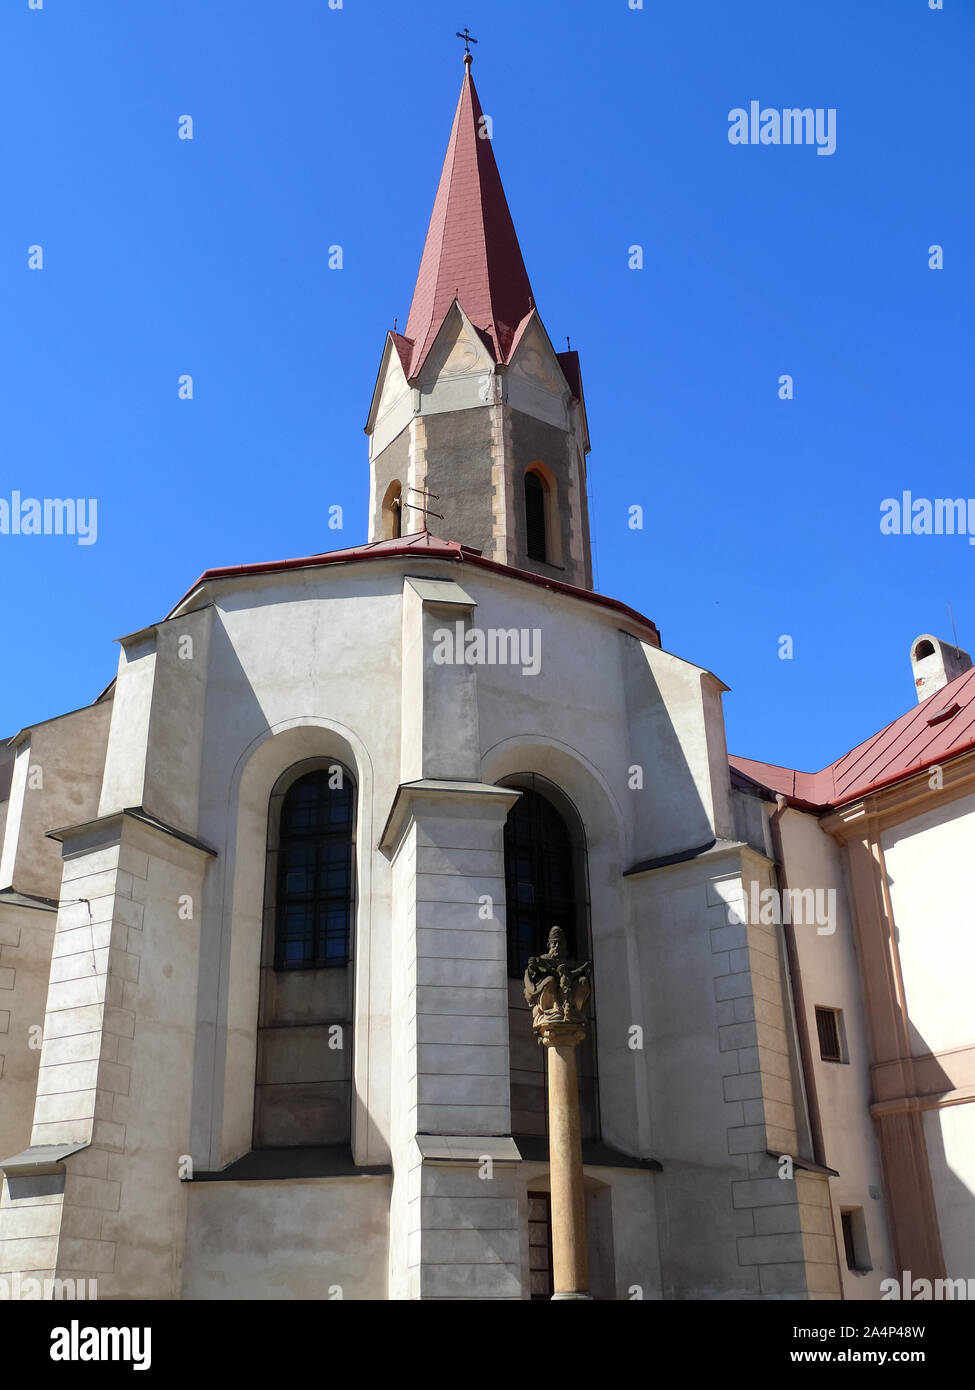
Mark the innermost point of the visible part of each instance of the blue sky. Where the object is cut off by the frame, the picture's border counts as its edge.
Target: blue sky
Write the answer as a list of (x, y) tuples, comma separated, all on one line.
[(315, 126)]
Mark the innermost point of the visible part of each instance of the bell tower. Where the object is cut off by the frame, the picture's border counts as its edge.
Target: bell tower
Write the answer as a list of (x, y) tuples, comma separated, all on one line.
[(475, 416)]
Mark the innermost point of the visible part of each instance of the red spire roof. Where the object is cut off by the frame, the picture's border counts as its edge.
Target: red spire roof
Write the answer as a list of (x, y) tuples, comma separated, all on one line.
[(471, 252)]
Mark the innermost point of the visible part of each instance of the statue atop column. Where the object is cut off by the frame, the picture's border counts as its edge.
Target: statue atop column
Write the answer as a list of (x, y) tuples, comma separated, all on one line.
[(556, 989)]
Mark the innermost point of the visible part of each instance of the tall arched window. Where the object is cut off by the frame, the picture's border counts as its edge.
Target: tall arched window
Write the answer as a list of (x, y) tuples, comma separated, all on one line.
[(540, 878), (313, 925), (546, 886), (535, 507), (303, 1085)]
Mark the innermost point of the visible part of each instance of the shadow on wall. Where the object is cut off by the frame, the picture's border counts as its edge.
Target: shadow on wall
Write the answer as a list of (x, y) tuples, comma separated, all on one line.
[(954, 1198), (247, 760), (6, 776), (671, 816), (226, 681), (7, 757)]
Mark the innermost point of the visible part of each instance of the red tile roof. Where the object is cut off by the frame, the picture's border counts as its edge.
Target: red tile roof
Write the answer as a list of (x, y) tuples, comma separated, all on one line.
[(938, 729), (471, 251)]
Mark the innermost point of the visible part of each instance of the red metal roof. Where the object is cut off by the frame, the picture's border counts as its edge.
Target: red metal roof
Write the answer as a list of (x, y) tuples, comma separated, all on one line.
[(569, 362), (471, 251), (938, 729), (424, 546), (404, 350)]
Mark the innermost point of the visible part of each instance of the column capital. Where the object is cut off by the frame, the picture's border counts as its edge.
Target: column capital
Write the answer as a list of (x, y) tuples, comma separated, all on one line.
[(439, 795), (560, 1034)]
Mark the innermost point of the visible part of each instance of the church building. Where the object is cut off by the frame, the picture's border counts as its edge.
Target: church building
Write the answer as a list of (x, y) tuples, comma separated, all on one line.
[(267, 904)]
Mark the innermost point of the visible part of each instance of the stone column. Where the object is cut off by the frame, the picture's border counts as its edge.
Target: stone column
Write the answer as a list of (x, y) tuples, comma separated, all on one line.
[(557, 991)]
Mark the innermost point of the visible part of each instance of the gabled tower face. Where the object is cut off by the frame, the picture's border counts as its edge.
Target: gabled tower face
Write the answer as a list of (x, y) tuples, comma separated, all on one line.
[(475, 417)]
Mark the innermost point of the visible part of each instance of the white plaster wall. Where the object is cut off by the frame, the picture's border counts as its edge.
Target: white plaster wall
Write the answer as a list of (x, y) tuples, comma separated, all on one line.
[(326, 644), (15, 812), (128, 743), (310, 1239), (535, 382), (298, 667), (458, 368), (950, 1137), (7, 756), (119, 1035), (831, 979), (149, 1127), (621, 1216), (56, 782), (403, 1280), (394, 407), (172, 789), (323, 647), (932, 909), (679, 927), (683, 702), (26, 936), (309, 661), (616, 703), (533, 398)]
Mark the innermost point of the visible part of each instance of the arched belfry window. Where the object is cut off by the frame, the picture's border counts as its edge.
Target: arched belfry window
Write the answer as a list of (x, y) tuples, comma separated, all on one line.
[(315, 883), (393, 512), (535, 509), (542, 880)]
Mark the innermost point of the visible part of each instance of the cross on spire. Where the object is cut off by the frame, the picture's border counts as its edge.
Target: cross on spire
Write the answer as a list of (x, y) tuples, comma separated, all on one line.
[(466, 36)]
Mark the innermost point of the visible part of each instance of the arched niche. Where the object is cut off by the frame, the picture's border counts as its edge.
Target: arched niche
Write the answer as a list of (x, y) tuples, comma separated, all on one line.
[(392, 512), (619, 994), (241, 913)]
